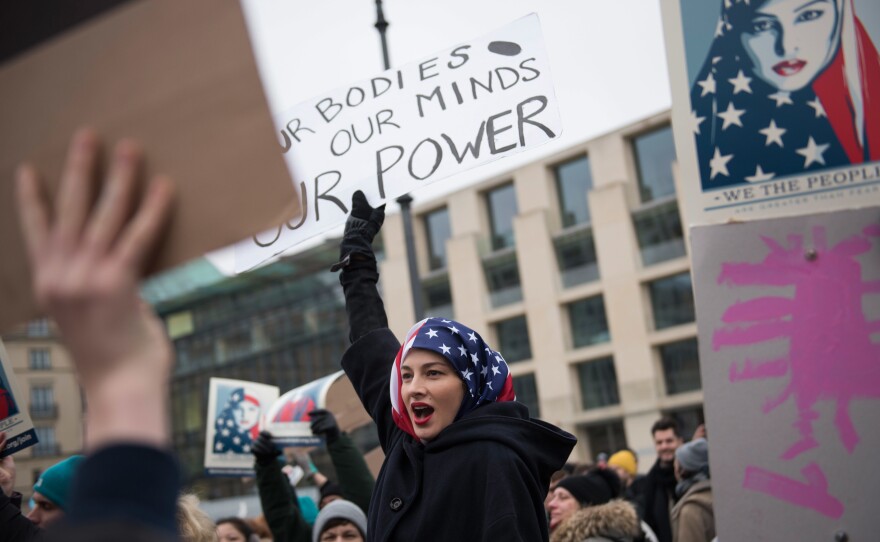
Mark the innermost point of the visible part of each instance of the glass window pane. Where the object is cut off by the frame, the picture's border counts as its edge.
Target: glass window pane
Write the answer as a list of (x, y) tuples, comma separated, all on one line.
[(681, 366), (502, 279), (39, 359), (576, 256), (606, 438), (513, 339), (672, 300), (38, 328), (527, 393), (598, 382), (588, 322), (438, 297), (655, 153), (659, 233), (573, 182), (438, 231), (502, 209)]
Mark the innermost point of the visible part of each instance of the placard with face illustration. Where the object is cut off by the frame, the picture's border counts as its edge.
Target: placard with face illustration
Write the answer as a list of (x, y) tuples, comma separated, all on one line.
[(14, 420), (776, 105), (236, 411)]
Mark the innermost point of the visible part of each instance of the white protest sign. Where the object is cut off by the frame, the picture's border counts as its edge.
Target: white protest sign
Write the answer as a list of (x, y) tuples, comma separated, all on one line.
[(236, 410), (408, 127)]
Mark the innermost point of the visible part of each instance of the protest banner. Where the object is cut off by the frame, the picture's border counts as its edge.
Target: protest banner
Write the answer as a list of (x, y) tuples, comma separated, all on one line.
[(179, 77), (788, 315), (468, 105), (776, 105), (288, 419), (14, 420), (236, 413)]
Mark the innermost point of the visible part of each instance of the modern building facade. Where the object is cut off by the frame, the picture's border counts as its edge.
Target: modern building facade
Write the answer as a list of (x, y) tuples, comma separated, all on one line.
[(283, 324), (52, 396), (575, 268)]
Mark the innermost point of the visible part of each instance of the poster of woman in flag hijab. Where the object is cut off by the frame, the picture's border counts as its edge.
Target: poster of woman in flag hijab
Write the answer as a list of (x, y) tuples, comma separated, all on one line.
[(777, 104), (236, 411)]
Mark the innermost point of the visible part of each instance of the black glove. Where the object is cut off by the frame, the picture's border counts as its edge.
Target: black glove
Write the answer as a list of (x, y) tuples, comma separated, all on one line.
[(362, 225), (264, 449), (324, 424)]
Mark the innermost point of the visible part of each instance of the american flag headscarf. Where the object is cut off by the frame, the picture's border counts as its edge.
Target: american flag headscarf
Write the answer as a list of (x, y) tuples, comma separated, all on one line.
[(749, 131), (482, 369)]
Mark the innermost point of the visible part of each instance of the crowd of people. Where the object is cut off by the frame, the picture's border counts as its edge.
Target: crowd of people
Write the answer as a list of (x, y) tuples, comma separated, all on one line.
[(463, 459)]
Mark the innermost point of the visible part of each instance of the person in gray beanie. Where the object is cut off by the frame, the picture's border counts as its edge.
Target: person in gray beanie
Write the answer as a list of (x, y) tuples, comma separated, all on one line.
[(693, 517), (340, 520)]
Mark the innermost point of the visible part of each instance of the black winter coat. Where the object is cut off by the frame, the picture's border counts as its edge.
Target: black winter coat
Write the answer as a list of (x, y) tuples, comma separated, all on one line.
[(484, 477)]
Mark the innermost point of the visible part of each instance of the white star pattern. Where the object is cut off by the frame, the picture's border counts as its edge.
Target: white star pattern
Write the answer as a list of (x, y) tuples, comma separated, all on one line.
[(696, 122), (236, 440), (445, 349), (813, 153), (431, 333), (499, 359), (817, 107), (484, 370), (246, 448), (453, 329), (708, 85), (773, 134), (466, 374), (230, 423), (462, 350), (718, 164), (731, 116), (218, 447), (759, 175), (446, 321), (475, 359), (719, 28), (495, 370), (741, 83), (781, 98), (225, 432), (489, 385), (472, 336)]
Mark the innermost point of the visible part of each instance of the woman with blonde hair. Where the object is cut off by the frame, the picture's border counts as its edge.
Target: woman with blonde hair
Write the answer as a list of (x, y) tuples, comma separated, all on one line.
[(194, 524)]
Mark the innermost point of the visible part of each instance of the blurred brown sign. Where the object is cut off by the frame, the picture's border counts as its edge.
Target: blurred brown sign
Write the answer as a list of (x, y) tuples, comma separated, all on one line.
[(180, 77)]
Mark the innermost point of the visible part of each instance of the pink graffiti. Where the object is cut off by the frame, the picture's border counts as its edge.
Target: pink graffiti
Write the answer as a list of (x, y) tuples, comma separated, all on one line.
[(830, 357), (813, 494)]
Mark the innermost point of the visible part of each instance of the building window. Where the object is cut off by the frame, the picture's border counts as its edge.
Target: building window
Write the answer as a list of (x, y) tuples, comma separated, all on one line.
[(39, 359), (438, 231), (502, 278), (438, 296), (576, 256), (681, 366), (655, 153), (513, 339), (598, 382), (527, 393), (688, 420), (588, 322), (659, 232), (573, 182), (46, 444), (502, 208), (672, 300), (606, 438), (43, 403), (38, 328)]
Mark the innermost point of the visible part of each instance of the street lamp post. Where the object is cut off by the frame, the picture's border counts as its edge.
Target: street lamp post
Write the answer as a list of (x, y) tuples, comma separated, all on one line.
[(405, 200)]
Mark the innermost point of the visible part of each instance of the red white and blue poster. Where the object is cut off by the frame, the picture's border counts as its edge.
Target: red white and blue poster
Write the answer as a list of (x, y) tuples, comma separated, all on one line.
[(14, 420), (776, 105)]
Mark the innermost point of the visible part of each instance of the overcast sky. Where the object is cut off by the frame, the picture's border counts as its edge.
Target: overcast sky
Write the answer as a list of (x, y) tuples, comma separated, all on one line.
[(607, 57)]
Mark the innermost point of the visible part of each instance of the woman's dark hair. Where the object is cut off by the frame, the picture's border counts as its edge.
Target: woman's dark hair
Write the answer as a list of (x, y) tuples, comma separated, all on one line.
[(239, 524), (338, 522)]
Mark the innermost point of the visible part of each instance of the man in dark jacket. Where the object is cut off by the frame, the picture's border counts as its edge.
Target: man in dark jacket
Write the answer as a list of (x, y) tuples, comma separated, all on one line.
[(655, 493)]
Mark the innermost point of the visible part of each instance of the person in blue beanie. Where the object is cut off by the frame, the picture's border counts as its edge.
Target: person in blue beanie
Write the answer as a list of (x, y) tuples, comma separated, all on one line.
[(52, 490)]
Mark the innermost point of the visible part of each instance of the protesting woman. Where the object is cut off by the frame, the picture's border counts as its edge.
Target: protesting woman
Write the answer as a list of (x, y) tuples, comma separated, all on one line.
[(463, 460)]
